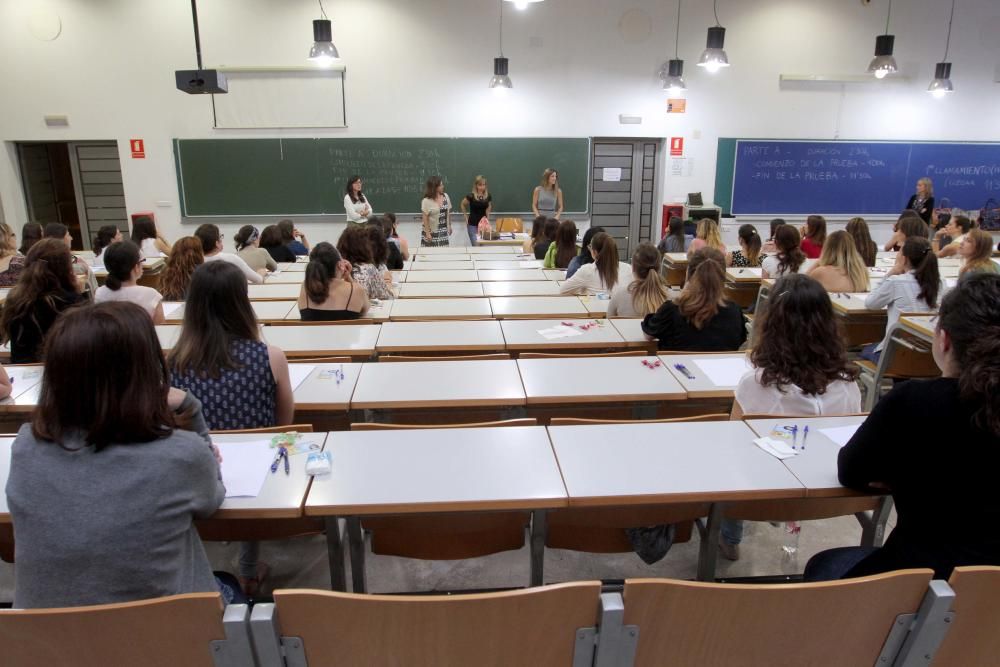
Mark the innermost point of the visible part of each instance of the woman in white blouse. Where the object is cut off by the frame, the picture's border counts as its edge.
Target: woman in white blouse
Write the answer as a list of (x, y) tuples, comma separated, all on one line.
[(356, 205), (601, 275)]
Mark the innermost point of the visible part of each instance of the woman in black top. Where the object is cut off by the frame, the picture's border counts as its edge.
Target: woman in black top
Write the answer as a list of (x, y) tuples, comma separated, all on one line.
[(700, 319), (923, 200), (46, 288), (941, 470), (548, 238), (271, 241), (477, 205)]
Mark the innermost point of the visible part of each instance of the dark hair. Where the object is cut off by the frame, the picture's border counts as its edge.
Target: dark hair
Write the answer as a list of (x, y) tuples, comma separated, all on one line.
[(676, 228), (287, 229), (217, 312), (911, 227), (918, 251), (606, 249), (970, 313), (354, 246), (748, 234), (702, 295), (56, 230), (550, 229), (537, 227), (907, 213), (209, 236), (943, 218), (798, 343), (588, 238), (31, 234), (245, 237), (186, 255), (961, 221), (790, 255), (320, 271), (858, 229), (376, 241), (143, 228), (775, 223), (349, 191), (565, 244), (391, 217), (124, 403), (119, 259), (430, 188), (105, 237), (270, 237), (816, 229), (48, 274)]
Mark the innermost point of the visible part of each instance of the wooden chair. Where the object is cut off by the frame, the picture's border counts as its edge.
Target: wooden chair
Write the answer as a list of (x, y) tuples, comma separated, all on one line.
[(577, 353), (465, 357), (574, 421), (537, 626), (972, 640), (377, 426), (831, 623), (323, 360), (904, 356), (179, 630), (288, 428), (300, 323), (508, 225)]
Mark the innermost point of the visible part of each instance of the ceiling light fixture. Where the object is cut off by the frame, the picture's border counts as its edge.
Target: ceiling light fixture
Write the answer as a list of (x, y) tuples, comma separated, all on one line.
[(941, 85), (323, 52), (500, 82), (672, 71), (883, 63), (714, 57)]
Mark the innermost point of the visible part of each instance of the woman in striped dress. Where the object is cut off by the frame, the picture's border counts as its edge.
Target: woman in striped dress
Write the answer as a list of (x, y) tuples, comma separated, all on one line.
[(436, 206)]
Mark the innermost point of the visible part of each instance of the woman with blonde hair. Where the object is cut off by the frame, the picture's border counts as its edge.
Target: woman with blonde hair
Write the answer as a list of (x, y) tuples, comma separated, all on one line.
[(840, 268), (11, 263), (477, 205), (867, 248), (707, 236), (647, 291), (922, 201), (603, 273), (547, 198), (977, 251), (185, 256)]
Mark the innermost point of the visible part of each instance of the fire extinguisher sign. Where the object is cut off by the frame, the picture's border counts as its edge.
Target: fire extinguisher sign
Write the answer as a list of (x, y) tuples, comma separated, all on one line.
[(676, 146), (138, 148)]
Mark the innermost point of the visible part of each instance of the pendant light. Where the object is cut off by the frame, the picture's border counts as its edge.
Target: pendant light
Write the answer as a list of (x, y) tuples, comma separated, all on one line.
[(500, 82), (883, 63), (522, 4), (672, 71), (713, 58), (323, 52), (941, 85)]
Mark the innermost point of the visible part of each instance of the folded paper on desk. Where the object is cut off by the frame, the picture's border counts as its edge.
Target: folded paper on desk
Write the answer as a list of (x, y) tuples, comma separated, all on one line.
[(171, 308), (840, 434), (775, 448), (245, 466), (724, 372), (559, 331), (298, 373)]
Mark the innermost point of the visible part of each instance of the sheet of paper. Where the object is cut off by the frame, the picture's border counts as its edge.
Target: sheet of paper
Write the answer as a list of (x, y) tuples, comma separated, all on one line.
[(840, 434), (723, 372), (297, 373), (171, 307), (245, 466), (559, 331), (775, 448)]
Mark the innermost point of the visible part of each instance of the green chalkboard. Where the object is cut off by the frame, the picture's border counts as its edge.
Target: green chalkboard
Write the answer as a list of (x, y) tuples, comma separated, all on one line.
[(242, 177)]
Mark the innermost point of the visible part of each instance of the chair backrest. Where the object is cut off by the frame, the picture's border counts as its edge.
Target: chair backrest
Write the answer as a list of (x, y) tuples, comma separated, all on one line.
[(972, 640), (911, 358), (165, 632), (373, 426), (842, 622), (567, 355), (510, 225), (323, 360), (287, 428), (574, 421), (465, 357), (536, 626)]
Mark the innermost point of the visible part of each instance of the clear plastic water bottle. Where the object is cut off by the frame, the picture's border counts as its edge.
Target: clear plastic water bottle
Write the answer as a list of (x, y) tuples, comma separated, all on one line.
[(790, 538)]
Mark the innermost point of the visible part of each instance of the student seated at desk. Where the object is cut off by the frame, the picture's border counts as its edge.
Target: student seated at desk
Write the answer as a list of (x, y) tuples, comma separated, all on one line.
[(399, 241), (86, 278), (646, 292), (675, 240), (11, 263), (813, 236), (106, 235), (46, 289), (700, 319), (956, 229), (562, 252), (394, 254), (547, 239), (355, 246), (908, 224), (124, 264), (977, 251), (185, 257), (328, 293), (840, 267), (241, 381), (769, 248), (31, 233), (107, 479), (866, 247), (707, 236), (537, 229), (270, 241), (788, 256), (211, 245), (293, 238), (748, 254), (603, 273), (912, 285), (941, 471), (584, 256), (148, 238), (248, 249)]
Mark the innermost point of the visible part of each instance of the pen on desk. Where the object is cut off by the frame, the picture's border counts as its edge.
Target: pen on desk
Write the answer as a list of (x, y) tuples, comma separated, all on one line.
[(805, 434), (795, 435), (277, 460), (284, 453), (683, 369)]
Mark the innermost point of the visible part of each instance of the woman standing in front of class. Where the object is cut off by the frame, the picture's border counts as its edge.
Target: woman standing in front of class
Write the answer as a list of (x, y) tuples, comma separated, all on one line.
[(547, 199), (476, 205), (922, 201), (435, 208), (356, 204)]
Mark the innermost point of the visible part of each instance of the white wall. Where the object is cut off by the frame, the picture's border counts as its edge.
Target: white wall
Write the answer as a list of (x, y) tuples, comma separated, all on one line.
[(421, 68)]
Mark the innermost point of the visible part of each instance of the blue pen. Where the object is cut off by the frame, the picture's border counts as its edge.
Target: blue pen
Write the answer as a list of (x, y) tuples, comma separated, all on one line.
[(284, 453), (277, 460), (795, 435), (683, 369), (805, 435)]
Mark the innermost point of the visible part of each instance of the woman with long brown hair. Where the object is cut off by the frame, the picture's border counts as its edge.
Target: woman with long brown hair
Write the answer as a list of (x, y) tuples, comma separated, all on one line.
[(977, 251), (813, 236), (547, 197), (867, 248), (562, 252), (788, 257), (603, 273), (647, 291), (328, 293), (185, 256), (435, 209)]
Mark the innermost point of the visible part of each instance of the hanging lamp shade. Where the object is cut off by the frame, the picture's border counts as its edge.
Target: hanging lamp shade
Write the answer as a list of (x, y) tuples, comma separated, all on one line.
[(941, 85), (323, 52), (714, 56), (500, 78), (883, 63), (673, 81)]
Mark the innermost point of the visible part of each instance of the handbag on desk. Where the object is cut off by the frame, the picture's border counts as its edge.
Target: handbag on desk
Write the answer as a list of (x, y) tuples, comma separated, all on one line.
[(989, 216)]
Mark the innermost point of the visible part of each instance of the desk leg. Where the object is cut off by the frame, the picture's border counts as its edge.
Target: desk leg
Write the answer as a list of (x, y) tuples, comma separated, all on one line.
[(356, 541), (873, 527), (538, 534), (335, 554), (709, 551)]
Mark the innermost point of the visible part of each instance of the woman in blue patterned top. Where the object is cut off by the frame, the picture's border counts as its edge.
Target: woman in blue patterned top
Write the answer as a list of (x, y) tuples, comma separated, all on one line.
[(241, 381)]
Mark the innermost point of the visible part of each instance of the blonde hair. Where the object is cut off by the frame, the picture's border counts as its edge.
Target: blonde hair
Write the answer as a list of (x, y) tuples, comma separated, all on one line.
[(708, 230), (476, 181), (6, 234), (840, 251), (648, 290), (928, 186), (545, 179), (983, 246)]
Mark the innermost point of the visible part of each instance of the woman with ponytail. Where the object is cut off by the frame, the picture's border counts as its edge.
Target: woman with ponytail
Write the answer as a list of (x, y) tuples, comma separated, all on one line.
[(941, 471), (603, 273), (47, 287), (106, 235), (977, 251), (124, 264), (788, 257), (912, 285), (749, 254), (328, 293), (700, 319), (248, 249), (647, 291)]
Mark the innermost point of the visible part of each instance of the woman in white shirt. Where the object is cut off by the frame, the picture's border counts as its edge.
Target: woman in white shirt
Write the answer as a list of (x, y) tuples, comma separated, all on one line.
[(147, 237), (912, 285), (124, 265), (788, 257), (603, 273), (356, 205)]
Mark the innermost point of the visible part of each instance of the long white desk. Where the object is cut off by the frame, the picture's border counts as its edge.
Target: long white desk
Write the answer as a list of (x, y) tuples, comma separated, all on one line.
[(521, 288), (323, 390), (442, 385), (535, 307), (442, 266), (441, 289), (701, 385), (597, 380), (355, 340), (441, 309), (524, 335), (274, 291), (445, 337)]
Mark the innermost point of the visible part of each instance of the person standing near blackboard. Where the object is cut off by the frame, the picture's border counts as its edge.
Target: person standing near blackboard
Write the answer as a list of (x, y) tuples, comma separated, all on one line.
[(476, 205), (923, 201), (547, 199), (356, 205), (435, 207)]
